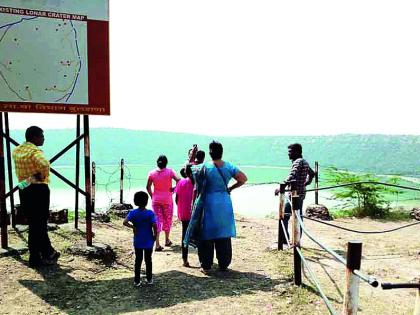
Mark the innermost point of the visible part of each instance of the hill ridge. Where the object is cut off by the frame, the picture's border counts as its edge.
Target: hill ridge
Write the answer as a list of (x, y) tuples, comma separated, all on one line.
[(374, 153)]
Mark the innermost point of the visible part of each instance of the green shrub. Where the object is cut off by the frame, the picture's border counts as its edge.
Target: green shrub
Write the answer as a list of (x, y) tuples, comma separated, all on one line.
[(362, 199)]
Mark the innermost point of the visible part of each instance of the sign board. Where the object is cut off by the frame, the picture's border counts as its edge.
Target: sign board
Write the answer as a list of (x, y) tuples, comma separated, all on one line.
[(54, 56)]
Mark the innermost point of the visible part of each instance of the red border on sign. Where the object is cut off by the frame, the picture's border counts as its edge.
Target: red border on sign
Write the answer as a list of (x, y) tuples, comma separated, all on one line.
[(98, 65), (98, 84)]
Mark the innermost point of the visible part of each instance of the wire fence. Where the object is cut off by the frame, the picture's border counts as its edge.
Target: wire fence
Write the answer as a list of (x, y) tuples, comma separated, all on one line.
[(108, 180)]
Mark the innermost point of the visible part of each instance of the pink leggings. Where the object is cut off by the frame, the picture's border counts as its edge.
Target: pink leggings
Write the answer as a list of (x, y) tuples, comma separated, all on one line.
[(164, 213)]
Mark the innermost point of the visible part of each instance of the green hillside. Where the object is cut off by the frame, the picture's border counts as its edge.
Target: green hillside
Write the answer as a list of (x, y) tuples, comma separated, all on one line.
[(378, 154)]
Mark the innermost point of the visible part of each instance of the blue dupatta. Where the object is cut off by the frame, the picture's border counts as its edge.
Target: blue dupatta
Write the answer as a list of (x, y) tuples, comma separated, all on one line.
[(192, 235)]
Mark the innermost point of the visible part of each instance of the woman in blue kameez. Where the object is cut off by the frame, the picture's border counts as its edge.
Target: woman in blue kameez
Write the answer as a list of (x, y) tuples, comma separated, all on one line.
[(212, 224)]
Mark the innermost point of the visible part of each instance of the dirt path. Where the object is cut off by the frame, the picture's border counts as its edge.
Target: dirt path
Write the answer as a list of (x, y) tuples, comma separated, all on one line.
[(260, 281)]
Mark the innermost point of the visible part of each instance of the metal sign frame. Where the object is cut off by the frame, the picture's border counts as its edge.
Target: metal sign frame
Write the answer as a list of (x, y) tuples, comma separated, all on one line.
[(85, 137)]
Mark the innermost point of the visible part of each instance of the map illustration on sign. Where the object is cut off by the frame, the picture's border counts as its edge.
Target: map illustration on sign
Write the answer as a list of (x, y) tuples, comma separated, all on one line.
[(43, 59)]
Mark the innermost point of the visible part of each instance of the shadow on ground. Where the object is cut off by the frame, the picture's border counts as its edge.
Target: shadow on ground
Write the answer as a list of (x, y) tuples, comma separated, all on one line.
[(114, 296)]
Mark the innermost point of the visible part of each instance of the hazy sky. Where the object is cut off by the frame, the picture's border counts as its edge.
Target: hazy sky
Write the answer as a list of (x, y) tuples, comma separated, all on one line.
[(261, 68)]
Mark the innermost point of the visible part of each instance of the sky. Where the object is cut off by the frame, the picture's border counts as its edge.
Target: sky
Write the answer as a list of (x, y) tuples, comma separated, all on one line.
[(260, 67)]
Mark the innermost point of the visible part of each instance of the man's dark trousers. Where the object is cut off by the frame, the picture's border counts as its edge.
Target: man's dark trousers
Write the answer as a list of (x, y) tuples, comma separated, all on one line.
[(35, 203), (288, 213)]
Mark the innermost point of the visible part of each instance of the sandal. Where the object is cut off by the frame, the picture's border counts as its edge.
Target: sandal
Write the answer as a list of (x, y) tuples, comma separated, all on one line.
[(205, 271), (186, 264), (169, 244), (159, 249)]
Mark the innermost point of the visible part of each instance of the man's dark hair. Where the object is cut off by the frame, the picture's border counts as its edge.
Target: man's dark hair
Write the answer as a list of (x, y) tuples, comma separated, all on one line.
[(296, 147), (216, 150), (140, 199), (200, 156), (162, 161), (32, 132)]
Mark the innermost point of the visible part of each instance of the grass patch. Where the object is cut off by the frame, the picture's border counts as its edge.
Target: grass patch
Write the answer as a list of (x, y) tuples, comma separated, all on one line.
[(342, 213), (71, 215), (397, 215), (392, 215)]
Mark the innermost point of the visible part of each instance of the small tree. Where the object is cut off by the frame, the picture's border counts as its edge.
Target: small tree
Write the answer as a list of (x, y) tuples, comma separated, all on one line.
[(365, 199)]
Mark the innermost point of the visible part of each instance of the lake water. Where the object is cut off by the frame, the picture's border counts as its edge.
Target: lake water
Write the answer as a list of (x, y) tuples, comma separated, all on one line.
[(249, 200)]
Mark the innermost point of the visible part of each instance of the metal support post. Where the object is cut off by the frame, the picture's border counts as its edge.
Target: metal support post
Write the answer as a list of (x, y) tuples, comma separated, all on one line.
[(281, 236), (3, 210), (76, 202), (9, 168), (93, 186), (316, 183), (89, 234), (417, 305), (297, 263), (121, 180), (354, 258)]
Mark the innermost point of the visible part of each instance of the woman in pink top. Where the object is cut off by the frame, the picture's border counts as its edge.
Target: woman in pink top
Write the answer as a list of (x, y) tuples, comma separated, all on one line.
[(161, 179), (183, 198)]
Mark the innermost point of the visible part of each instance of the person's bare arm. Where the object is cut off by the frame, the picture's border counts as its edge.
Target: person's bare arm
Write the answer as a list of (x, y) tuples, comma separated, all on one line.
[(154, 227), (193, 198), (149, 187), (176, 178), (129, 224), (310, 176), (240, 178)]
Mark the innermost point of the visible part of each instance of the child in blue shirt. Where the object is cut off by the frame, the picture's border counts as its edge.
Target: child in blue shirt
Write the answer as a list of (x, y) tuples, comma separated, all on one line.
[(143, 223)]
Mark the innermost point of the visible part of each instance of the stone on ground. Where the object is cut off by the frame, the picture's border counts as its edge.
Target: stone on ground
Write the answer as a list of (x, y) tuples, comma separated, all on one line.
[(415, 213), (98, 251), (318, 212)]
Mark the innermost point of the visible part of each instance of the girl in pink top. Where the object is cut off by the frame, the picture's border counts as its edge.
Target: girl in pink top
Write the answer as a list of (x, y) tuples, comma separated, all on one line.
[(161, 179), (183, 198)]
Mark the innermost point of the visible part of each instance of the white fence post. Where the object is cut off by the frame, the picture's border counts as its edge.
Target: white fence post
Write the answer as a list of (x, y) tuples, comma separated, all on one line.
[(351, 298)]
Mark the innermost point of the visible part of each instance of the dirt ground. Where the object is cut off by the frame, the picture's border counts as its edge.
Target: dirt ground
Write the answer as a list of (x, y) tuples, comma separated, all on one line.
[(260, 280)]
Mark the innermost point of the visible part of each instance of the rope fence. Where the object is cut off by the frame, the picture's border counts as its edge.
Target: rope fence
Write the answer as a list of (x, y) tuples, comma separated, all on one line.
[(354, 251), (362, 232)]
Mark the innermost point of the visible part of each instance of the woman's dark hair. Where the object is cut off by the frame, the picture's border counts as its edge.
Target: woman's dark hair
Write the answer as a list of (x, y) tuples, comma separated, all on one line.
[(140, 199), (200, 156), (216, 150), (182, 172), (162, 161)]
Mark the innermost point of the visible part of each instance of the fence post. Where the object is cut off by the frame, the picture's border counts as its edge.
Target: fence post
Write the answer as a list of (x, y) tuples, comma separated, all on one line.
[(121, 180), (417, 305), (93, 185), (297, 263), (281, 236), (88, 183), (9, 168), (354, 258), (316, 182)]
